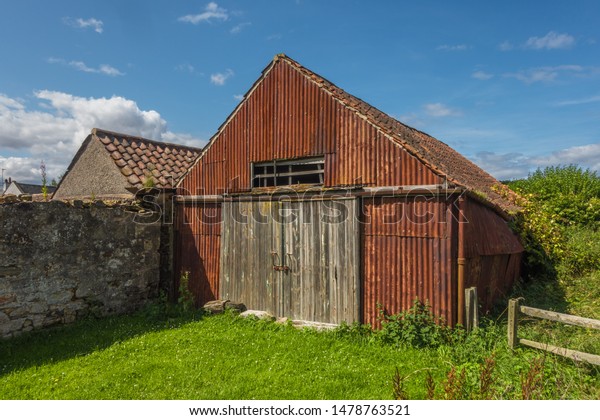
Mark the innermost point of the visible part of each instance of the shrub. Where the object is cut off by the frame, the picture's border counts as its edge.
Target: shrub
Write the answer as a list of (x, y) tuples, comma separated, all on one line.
[(567, 192), (582, 251), (416, 327), (560, 218)]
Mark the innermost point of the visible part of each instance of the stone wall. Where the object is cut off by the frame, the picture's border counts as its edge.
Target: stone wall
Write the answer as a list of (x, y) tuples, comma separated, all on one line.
[(62, 261)]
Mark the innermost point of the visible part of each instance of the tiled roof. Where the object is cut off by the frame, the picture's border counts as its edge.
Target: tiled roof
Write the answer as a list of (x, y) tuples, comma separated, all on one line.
[(435, 154), (33, 188), (139, 159)]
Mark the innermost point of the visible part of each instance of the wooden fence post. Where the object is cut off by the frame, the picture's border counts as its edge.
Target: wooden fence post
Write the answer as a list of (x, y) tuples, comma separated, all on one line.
[(513, 319), (471, 309)]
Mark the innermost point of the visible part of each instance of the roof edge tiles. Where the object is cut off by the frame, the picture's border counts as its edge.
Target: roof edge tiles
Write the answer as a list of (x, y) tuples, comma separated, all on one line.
[(138, 156)]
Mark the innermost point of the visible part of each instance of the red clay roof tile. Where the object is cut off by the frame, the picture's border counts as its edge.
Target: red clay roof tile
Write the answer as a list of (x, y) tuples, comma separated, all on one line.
[(126, 170), (138, 158)]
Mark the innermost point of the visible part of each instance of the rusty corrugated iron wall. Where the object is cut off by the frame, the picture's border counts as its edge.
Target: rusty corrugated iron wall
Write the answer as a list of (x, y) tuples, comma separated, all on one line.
[(289, 116), (493, 254), (286, 116), (197, 245), (408, 253)]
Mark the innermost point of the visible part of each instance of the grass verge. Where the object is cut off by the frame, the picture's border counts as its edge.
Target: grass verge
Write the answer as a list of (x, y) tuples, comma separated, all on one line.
[(227, 357)]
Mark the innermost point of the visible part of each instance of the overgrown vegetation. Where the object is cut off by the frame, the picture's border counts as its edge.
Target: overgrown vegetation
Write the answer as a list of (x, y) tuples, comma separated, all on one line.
[(416, 327), (560, 224)]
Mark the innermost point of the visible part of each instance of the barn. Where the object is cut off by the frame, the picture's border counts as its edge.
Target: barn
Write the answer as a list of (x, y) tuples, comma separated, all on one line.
[(311, 204)]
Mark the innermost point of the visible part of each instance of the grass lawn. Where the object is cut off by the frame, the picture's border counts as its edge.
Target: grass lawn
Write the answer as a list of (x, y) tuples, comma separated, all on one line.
[(218, 357), (144, 356)]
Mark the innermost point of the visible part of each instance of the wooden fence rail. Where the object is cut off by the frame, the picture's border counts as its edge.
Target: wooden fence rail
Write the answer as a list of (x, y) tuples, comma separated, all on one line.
[(514, 308)]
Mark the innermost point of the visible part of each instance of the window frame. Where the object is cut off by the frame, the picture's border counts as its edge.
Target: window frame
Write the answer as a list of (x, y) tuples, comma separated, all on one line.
[(288, 172)]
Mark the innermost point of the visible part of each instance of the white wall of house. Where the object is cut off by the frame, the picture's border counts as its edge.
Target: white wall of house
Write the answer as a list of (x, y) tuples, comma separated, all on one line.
[(13, 189)]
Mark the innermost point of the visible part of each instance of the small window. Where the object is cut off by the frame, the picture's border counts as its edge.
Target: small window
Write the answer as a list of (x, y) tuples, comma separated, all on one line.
[(288, 172)]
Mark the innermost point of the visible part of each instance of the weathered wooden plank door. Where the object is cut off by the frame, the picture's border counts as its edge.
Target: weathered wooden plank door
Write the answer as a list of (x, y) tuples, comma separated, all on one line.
[(298, 259)]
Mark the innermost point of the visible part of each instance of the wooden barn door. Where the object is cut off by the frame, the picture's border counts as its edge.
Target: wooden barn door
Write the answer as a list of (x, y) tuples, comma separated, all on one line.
[(298, 259)]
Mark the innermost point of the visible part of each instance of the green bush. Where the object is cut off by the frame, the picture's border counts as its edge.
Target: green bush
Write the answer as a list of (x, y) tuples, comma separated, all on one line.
[(582, 251), (416, 327), (560, 220), (567, 192)]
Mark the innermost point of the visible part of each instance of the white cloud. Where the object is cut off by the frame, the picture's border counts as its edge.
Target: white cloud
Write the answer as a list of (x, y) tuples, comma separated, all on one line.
[(505, 46), (55, 134), (518, 165), (212, 11), (238, 28), (545, 74), (96, 24), (7, 103), (109, 70), (81, 66), (581, 101), (550, 41), (238, 97), (440, 110), (460, 47), (481, 75), (586, 156), (185, 67), (219, 79)]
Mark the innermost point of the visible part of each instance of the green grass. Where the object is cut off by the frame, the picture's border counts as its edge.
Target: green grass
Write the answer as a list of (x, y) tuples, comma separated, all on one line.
[(226, 357), (219, 357)]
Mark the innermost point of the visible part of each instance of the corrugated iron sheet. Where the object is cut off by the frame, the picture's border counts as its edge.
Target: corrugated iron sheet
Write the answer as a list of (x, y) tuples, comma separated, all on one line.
[(288, 116), (406, 259), (486, 233), (197, 247), (493, 254)]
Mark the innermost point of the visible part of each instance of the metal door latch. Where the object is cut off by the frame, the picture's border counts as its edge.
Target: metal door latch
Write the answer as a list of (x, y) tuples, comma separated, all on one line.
[(276, 266)]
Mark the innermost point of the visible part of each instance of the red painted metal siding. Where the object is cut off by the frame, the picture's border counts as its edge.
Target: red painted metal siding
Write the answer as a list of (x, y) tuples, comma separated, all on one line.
[(493, 254), (197, 247), (406, 257), (289, 116)]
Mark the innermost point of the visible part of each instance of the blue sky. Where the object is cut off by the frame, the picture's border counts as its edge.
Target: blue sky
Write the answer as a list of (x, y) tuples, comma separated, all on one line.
[(512, 85)]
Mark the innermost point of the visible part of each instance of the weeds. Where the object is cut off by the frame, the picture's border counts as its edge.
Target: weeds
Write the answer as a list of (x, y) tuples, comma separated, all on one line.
[(186, 297), (457, 384), (398, 387), (532, 382), (44, 180), (416, 327), (430, 386), (486, 377)]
